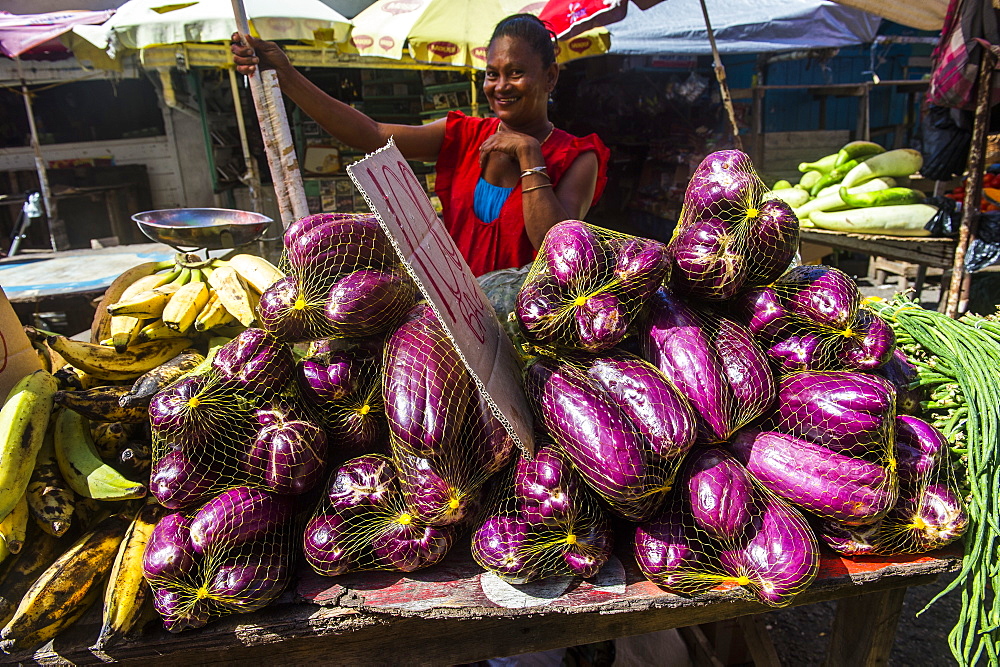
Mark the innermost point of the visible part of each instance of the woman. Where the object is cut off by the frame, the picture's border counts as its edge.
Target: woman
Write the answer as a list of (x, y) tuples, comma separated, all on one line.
[(502, 181)]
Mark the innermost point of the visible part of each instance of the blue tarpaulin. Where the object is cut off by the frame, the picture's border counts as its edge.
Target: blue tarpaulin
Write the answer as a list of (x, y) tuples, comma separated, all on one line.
[(741, 26)]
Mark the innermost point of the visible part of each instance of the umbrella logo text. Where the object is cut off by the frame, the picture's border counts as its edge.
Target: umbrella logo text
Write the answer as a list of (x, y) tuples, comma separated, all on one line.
[(386, 42), (443, 49), (580, 44), (479, 53), (363, 41), (397, 7)]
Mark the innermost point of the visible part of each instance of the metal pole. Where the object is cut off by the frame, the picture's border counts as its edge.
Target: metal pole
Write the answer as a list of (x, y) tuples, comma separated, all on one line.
[(958, 292), (57, 231), (278, 145), (720, 76), (252, 175)]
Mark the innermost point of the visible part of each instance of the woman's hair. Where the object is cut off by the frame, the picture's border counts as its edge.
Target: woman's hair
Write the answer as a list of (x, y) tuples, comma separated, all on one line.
[(532, 30)]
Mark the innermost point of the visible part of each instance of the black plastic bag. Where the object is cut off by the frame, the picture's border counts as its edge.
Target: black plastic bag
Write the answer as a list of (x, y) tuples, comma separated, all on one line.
[(947, 134), (948, 218), (984, 250)]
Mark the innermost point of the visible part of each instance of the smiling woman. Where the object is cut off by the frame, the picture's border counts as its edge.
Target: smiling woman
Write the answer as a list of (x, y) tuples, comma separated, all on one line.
[(503, 181)]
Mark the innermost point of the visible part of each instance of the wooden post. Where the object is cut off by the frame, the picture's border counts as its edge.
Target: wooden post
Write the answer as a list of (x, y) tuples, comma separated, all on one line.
[(864, 629), (958, 292), (252, 175), (278, 145), (720, 76)]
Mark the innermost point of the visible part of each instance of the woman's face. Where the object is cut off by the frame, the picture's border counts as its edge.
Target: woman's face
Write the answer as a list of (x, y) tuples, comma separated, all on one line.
[(517, 86)]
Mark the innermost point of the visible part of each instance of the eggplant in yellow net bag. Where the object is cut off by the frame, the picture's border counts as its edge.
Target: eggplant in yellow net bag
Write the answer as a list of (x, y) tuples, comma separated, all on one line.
[(542, 521), (588, 286), (237, 420), (722, 527), (234, 554), (930, 512), (729, 237), (363, 523), (712, 359), (813, 318), (622, 424), (343, 279)]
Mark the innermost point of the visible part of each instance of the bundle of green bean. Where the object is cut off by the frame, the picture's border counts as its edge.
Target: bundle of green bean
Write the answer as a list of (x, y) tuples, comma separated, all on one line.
[(961, 360)]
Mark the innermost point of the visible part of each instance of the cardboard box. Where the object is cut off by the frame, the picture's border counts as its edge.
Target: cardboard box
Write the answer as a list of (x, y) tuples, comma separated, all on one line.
[(17, 356)]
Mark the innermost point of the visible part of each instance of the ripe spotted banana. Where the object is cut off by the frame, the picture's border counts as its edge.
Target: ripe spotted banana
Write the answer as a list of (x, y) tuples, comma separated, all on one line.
[(157, 330), (101, 326), (111, 437), (81, 465), (127, 590), (24, 419), (102, 404), (40, 550), (50, 500), (125, 326), (256, 271), (14, 526), (186, 303), (66, 588), (149, 384), (233, 293), (104, 362)]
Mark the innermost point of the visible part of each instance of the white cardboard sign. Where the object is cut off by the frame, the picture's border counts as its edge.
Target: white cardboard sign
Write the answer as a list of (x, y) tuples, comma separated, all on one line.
[(398, 200)]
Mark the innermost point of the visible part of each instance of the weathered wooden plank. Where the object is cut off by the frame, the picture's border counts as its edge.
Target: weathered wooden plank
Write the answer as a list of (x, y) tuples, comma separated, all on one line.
[(933, 252), (759, 642), (864, 629)]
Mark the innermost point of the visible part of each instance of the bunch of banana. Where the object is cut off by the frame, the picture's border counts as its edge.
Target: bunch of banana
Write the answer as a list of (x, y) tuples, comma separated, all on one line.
[(184, 299)]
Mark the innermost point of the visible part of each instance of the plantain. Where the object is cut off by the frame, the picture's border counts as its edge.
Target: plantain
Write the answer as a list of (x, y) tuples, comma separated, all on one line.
[(135, 459), (14, 525), (64, 591), (185, 304), (233, 293), (256, 271), (157, 330), (50, 500), (212, 315), (40, 550), (106, 363), (101, 326), (102, 404), (151, 383), (44, 355), (147, 305), (111, 437), (71, 378), (127, 590), (24, 419), (82, 466), (5, 554)]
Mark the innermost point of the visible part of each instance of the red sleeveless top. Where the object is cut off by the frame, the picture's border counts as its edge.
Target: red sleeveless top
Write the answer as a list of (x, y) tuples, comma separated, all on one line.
[(503, 243)]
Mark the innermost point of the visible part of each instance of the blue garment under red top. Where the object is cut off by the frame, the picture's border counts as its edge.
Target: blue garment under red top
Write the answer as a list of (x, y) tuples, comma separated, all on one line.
[(503, 243)]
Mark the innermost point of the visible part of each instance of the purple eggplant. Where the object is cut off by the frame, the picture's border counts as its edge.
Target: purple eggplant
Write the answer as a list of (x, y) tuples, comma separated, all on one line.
[(337, 246), (237, 516), (538, 307), (771, 242), (641, 266), (778, 558), (822, 295), (852, 540), (651, 403), (574, 256), (358, 426), (362, 484), (322, 382), (310, 222), (932, 518), (426, 386), (707, 264), (871, 344), (920, 448), (436, 492), (407, 546), (288, 456), (799, 352), (177, 480), (589, 548), (723, 497), (169, 552), (602, 321), (546, 488), (847, 411), (180, 610), (723, 177), (832, 485), (484, 438), (248, 581), (255, 360), (328, 545), (746, 370), (763, 313), (901, 372), (673, 554), (173, 409), (500, 546), (368, 302), (289, 313)]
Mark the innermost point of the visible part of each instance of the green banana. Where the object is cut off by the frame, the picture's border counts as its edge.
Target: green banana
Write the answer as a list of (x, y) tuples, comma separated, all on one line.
[(127, 590), (106, 363), (148, 385), (14, 525), (40, 550), (64, 591), (81, 465), (50, 500), (102, 404), (24, 419)]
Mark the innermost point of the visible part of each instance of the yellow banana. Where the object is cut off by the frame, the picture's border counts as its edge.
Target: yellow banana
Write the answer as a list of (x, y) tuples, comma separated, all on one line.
[(233, 293), (256, 271), (150, 303), (212, 315), (186, 303), (81, 465), (66, 588), (40, 550), (44, 355), (103, 362), (111, 437), (5, 554), (124, 327), (102, 404), (127, 590), (24, 419), (14, 526), (50, 500), (157, 330), (124, 330), (100, 328)]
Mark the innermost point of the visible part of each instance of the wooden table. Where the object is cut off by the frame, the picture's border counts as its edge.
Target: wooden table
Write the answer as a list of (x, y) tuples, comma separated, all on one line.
[(454, 613)]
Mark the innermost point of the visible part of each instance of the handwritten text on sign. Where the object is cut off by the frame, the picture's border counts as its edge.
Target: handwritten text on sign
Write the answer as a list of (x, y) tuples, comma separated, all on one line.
[(396, 197)]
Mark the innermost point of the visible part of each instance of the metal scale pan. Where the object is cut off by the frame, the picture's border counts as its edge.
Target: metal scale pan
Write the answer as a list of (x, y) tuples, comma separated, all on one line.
[(188, 229)]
